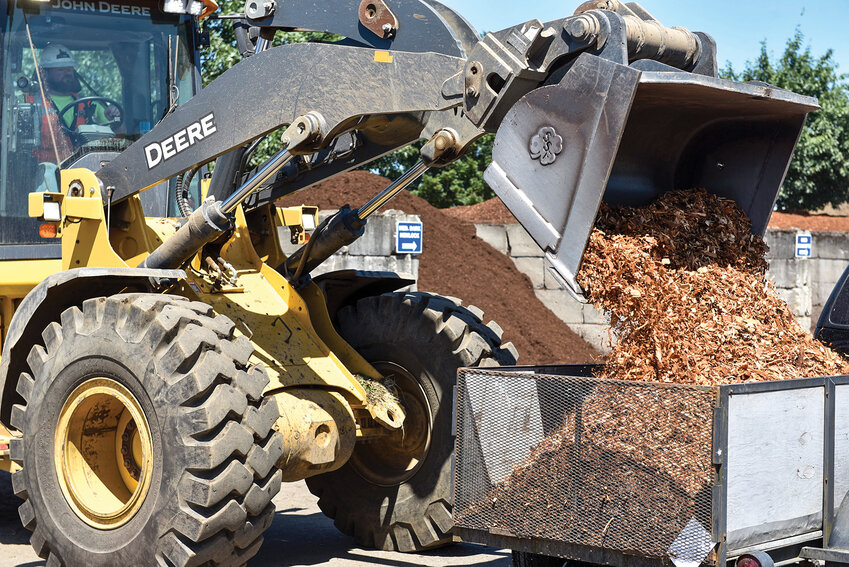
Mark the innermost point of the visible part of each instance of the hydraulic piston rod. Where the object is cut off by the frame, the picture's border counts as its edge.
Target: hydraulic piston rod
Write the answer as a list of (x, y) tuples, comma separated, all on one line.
[(343, 228), (399, 185)]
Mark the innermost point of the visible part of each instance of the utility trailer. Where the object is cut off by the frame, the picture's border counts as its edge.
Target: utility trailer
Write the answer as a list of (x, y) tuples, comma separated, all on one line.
[(553, 461)]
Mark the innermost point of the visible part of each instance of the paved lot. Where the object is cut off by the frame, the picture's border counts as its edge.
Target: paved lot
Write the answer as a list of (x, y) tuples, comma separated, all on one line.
[(299, 536)]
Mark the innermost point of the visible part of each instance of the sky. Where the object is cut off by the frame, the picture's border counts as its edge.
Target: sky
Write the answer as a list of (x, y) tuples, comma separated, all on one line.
[(739, 26)]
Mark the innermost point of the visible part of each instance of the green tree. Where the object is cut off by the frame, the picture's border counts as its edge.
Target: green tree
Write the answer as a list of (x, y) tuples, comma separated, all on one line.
[(819, 172)]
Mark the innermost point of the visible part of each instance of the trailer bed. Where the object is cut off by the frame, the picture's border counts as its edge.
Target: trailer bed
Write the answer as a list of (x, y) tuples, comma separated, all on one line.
[(553, 460)]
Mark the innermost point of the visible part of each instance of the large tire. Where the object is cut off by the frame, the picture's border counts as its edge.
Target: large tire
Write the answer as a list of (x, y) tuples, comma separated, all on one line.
[(395, 494), (211, 447)]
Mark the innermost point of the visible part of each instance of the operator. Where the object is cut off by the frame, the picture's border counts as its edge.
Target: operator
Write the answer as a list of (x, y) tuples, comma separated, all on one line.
[(62, 88)]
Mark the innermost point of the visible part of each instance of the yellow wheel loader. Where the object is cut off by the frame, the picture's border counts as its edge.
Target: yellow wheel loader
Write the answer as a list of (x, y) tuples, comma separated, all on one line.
[(165, 366)]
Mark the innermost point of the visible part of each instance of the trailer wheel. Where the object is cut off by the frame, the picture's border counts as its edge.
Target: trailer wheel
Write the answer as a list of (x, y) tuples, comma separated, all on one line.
[(394, 493), (146, 438)]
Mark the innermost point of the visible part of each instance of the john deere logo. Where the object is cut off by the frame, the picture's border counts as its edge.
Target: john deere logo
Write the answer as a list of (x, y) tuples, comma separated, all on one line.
[(546, 145), (158, 152)]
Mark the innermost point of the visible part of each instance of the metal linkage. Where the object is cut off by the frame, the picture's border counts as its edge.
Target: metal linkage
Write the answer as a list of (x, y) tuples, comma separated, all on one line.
[(343, 228), (348, 224), (212, 218)]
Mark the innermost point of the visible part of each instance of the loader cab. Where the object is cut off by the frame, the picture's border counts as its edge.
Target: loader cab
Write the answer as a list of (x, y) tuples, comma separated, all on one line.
[(130, 62)]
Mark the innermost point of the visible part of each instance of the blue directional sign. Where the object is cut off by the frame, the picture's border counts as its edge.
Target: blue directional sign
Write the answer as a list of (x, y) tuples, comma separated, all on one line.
[(408, 237), (804, 245)]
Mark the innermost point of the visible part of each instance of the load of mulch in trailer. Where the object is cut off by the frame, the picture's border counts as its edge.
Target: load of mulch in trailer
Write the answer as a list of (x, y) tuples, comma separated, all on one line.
[(455, 262), (628, 468), (683, 281)]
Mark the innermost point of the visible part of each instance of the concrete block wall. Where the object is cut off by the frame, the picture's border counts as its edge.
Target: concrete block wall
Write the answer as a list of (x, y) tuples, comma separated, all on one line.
[(790, 275), (804, 283), (586, 321), (830, 257), (373, 251)]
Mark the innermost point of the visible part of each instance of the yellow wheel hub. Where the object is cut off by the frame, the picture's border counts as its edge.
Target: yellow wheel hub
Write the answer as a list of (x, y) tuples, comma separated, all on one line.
[(103, 453)]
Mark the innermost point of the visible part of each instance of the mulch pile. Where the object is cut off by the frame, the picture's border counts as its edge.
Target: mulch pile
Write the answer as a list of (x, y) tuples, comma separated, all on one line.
[(683, 280), (457, 263)]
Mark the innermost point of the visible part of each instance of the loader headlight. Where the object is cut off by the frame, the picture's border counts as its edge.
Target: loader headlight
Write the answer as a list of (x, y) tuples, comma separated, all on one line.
[(191, 7), (52, 212), (308, 221)]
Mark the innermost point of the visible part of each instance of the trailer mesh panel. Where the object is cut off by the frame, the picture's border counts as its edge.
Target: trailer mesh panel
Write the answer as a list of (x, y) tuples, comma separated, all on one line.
[(622, 466)]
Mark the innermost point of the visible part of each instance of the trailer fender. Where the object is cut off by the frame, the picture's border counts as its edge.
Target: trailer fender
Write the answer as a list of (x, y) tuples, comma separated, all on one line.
[(346, 287), (45, 303)]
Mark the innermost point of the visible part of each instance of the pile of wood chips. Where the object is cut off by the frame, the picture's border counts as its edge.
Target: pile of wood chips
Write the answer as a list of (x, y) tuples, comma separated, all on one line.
[(683, 281)]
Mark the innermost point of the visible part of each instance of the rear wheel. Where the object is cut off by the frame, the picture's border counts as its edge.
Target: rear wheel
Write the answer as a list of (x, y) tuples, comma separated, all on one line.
[(146, 439), (394, 492)]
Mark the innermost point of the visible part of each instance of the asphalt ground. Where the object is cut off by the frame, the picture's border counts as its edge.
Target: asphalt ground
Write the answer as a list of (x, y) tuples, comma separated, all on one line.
[(300, 536)]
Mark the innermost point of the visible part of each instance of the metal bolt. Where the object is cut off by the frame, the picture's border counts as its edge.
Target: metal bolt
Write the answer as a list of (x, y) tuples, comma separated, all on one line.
[(388, 30), (472, 92), (285, 140), (124, 449), (582, 28), (127, 463)]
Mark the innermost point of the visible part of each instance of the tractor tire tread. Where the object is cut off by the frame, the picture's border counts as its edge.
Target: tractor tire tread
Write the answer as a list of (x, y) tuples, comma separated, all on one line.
[(226, 488), (448, 326)]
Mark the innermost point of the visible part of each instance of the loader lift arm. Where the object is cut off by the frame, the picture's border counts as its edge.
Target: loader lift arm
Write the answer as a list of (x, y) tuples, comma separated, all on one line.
[(421, 86), (590, 66)]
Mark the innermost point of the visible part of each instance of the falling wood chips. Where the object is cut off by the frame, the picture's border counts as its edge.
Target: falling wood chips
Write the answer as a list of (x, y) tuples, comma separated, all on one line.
[(683, 281)]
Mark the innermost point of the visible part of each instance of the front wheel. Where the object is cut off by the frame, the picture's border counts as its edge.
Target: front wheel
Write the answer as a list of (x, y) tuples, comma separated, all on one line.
[(146, 438), (394, 493)]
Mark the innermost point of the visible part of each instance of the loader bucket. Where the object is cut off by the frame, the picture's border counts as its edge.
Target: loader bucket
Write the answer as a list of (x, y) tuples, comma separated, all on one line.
[(627, 134)]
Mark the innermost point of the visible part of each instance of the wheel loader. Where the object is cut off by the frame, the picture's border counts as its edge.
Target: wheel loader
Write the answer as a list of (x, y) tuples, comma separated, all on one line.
[(165, 366)]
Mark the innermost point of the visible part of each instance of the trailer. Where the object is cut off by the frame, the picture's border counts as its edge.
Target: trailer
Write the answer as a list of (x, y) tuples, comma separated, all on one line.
[(551, 460)]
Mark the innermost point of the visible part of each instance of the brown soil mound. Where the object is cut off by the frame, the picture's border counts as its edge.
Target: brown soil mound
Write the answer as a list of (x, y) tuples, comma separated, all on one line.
[(683, 281), (457, 263), (493, 211)]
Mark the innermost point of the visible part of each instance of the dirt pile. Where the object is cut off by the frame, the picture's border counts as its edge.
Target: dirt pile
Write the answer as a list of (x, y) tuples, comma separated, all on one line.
[(683, 281), (457, 263)]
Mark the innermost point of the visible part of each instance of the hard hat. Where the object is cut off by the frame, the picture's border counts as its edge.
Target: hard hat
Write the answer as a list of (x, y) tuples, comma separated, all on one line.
[(55, 56)]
